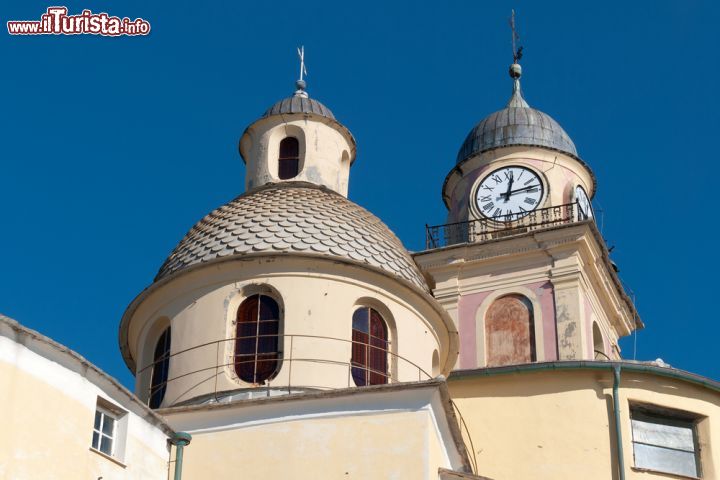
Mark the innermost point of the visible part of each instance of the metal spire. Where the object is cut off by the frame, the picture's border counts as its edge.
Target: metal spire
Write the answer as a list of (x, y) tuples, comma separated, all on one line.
[(517, 100), (300, 83)]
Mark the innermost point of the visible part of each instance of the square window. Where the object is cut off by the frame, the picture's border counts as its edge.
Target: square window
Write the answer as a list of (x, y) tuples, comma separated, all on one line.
[(665, 440), (104, 431), (109, 429)]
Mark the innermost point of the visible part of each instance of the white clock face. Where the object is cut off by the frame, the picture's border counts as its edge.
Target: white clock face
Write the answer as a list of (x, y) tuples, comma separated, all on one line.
[(583, 203), (509, 193)]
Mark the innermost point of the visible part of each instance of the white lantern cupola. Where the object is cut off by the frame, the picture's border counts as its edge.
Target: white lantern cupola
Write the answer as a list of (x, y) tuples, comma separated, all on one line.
[(298, 139)]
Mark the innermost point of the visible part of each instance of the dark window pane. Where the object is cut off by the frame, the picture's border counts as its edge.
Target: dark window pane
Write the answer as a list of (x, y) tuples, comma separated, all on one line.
[(106, 445), (289, 147), (96, 441), (161, 367), (289, 160), (288, 168), (108, 424), (269, 309), (98, 416), (360, 320)]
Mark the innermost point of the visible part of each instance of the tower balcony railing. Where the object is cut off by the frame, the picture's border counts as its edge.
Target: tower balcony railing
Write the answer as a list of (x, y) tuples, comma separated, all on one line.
[(501, 226), (207, 373)]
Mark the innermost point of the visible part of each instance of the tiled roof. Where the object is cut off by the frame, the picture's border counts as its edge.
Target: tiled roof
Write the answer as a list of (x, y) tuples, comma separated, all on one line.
[(294, 217)]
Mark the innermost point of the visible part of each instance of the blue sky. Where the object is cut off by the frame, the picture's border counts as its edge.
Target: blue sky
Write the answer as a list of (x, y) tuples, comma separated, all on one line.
[(112, 148)]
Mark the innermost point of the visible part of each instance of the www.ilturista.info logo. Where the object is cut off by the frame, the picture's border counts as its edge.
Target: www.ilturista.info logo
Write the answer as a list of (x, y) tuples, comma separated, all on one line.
[(57, 22)]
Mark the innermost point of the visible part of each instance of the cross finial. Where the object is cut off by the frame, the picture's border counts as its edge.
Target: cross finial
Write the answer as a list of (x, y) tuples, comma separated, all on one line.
[(515, 69), (300, 83), (517, 51)]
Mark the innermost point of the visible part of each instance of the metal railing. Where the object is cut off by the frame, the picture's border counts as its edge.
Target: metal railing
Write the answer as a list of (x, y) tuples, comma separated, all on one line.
[(501, 226), (287, 364)]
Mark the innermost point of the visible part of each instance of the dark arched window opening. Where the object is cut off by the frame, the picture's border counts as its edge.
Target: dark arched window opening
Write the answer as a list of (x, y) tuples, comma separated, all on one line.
[(256, 343), (289, 160), (510, 331), (161, 366), (369, 348)]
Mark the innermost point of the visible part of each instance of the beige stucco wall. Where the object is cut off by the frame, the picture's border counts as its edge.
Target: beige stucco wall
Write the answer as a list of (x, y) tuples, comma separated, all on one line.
[(47, 409), (326, 150), (359, 447), (388, 432), (556, 424), (317, 298)]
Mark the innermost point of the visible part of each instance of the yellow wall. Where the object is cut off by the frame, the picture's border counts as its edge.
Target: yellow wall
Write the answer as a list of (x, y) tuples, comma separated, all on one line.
[(47, 413), (556, 424), (358, 446)]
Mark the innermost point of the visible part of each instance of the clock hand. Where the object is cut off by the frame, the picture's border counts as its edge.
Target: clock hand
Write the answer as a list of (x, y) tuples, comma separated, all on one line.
[(510, 184), (520, 190)]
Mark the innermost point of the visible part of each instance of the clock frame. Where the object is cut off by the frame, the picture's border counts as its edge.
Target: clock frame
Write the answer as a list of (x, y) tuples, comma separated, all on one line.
[(508, 193)]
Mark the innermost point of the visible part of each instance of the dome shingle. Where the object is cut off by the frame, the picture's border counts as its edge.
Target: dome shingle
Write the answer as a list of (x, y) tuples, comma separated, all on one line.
[(293, 217)]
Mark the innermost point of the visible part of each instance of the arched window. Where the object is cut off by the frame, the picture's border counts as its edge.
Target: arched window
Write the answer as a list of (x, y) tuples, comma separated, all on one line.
[(598, 344), (256, 344), (161, 366), (369, 348), (510, 331), (289, 160)]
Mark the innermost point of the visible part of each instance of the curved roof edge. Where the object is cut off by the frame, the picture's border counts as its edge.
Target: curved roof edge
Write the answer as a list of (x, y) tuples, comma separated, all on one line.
[(30, 336), (561, 365)]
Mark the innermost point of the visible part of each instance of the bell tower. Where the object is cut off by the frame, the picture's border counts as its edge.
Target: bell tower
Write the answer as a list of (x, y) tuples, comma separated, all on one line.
[(520, 264)]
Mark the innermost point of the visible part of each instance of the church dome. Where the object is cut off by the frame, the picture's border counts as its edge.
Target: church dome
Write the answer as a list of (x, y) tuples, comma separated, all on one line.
[(516, 124), (294, 217)]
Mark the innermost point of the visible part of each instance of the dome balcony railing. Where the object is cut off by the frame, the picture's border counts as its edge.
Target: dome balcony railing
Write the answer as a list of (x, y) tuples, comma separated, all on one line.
[(303, 363), (501, 226)]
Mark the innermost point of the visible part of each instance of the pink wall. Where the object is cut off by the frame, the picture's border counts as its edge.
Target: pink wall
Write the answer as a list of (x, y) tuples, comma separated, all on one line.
[(468, 306)]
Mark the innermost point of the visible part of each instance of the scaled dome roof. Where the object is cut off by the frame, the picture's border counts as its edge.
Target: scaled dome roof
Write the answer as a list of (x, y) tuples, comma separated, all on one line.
[(293, 217), (300, 102), (516, 124)]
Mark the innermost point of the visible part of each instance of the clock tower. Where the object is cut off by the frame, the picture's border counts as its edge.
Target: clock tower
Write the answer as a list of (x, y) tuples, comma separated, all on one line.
[(520, 263)]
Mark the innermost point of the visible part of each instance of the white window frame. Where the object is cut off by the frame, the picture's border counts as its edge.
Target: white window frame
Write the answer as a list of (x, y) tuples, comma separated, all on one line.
[(104, 415), (108, 409)]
